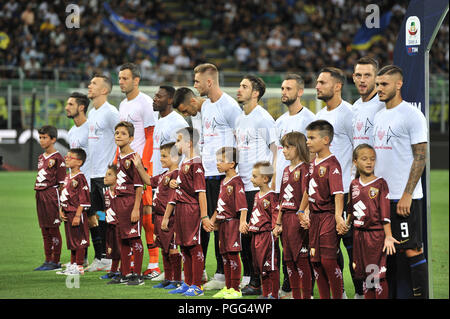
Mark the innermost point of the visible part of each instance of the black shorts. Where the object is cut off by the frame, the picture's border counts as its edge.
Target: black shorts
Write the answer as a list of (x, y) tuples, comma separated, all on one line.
[(98, 189), (408, 230)]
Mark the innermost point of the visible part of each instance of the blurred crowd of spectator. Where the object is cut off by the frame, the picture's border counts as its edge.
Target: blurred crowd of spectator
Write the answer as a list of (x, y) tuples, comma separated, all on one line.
[(259, 36)]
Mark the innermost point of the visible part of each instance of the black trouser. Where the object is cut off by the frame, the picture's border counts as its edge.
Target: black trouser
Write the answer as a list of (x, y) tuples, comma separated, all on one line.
[(246, 253), (212, 195), (98, 234)]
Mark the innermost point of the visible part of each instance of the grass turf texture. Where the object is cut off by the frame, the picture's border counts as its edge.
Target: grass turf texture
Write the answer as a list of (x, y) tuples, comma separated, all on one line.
[(22, 250)]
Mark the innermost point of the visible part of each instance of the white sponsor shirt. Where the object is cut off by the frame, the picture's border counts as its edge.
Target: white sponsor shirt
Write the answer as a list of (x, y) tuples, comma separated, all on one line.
[(254, 133), (218, 121), (102, 147), (79, 138), (197, 124), (138, 111), (342, 145), (363, 117), (165, 132), (289, 123), (395, 130)]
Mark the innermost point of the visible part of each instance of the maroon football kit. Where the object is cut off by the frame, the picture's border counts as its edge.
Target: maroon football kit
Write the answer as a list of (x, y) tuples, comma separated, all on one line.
[(51, 173), (324, 181), (163, 192), (112, 229), (294, 237), (369, 204), (75, 194), (127, 180), (230, 202)]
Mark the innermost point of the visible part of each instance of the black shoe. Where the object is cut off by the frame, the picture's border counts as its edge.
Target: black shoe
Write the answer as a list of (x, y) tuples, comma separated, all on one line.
[(124, 279), (251, 291), (115, 280), (136, 280)]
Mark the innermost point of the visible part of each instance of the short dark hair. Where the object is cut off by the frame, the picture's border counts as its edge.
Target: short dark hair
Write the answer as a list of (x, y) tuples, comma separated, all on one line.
[(257, 84), (181, 95), (368, 60), (128, 125), (297, 77), (50, 130), (81, 99), (265, 169), (230, 153), (190, 133), (335, 73), (390, 70), (106, 79), (171, 148), (80, 153), (114, 168), (324, 127), (135, 72), (169, 89)]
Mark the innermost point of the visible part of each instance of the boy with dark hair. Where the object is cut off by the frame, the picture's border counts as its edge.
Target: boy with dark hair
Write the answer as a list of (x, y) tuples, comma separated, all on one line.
[(190, 202), (49, 180), (75, 202), (325, 194), (264, 246), (129, 206)]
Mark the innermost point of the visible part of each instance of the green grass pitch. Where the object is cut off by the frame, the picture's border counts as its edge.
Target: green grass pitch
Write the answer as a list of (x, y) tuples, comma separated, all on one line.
[(22, 250)]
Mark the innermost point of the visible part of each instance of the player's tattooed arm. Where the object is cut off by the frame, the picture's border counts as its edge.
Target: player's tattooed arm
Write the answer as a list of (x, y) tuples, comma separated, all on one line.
[(417, 167)]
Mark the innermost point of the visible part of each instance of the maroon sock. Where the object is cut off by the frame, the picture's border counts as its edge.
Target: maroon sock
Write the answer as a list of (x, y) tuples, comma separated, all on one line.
[(227, 270), (56, 244), (175, 262), (266, 285), (322, 281), (304, 271), (334, 274), (79, 256), (47, 243), (125, 257), (168, 271), (138, 254), (115, 265), (187, 265), (275, 282), (198, 263), (294, 279), (235, 270)]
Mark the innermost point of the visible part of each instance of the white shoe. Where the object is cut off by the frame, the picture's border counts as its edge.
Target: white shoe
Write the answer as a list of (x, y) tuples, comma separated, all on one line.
[(284, 295), (244, 282), (160, 277), (358, 296), (106, 263), (72, 269), (96, 265), (215, 283), (344, 295)]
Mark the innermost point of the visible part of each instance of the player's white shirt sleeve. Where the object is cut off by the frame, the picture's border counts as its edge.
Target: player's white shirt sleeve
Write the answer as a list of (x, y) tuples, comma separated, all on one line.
[(254, 134), (217, 129), (395, 130), (102, 147), (165, 132), (79, 138), (289, 123)]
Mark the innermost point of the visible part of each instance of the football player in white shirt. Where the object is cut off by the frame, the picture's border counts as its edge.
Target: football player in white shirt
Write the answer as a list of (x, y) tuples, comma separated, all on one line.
[(102, 119), (295, 119), (401, 138), (339, 114), (76, 107), (365, 108), (167, 125), (137, 108), (256, 141), (219, 113)]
